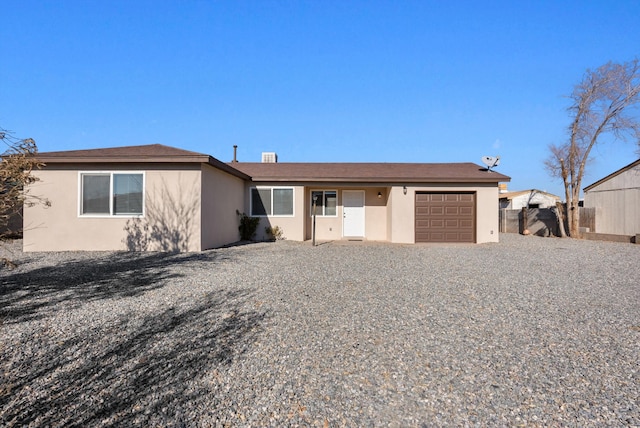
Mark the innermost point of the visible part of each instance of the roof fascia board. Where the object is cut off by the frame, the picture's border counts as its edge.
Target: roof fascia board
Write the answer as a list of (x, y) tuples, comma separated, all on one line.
[(200, 159), (123, 159), (379, 180), (226, 168), (354, 183)]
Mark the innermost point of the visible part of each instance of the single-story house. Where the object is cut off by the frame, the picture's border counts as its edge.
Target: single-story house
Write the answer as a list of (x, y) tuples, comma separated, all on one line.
[(616, 199), (155, 197), (532, 198)]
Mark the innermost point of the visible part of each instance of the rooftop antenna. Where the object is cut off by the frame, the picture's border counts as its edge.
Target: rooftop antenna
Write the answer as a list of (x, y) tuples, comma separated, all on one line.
[(491, 162)]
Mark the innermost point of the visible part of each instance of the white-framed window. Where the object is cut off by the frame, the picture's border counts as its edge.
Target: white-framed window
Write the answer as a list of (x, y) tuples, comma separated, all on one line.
[(271, 201), (326, 203), (107, 194)]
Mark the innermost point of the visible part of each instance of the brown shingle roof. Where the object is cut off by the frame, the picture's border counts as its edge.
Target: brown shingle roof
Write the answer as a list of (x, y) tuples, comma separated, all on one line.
[(370, 172), (286, 172), (152, 153)]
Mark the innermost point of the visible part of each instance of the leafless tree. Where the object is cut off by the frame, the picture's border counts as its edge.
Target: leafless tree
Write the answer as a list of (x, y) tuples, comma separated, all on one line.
[(605, 102), (17, 163)]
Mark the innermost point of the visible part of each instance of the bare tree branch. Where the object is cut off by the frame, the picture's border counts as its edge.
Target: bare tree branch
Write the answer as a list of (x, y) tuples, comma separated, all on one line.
[(17, 163), (606, 101)]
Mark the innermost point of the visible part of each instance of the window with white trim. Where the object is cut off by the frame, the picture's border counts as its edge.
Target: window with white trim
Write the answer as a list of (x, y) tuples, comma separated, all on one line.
[(111, 193), (326, 203), (271, 201)]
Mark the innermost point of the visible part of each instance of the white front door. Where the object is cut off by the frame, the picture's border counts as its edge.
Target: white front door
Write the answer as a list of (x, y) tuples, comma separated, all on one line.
[(353, 213)]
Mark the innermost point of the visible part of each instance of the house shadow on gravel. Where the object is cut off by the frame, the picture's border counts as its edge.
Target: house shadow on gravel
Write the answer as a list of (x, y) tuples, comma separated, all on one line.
[(33, 294), (159, 370)]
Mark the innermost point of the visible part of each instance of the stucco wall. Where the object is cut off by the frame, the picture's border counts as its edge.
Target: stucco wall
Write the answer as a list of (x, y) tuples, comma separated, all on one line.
[(376, 213), (168, 193), (222, 195), (331, 228), (327, 228), (403, 210), (293, 227)]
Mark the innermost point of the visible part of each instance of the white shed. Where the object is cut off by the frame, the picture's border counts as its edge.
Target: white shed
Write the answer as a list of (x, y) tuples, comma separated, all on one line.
[(616, 199), (527, 199)]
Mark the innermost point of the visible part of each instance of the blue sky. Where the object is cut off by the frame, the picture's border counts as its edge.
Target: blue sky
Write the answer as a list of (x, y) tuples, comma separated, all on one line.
[(329, 81)]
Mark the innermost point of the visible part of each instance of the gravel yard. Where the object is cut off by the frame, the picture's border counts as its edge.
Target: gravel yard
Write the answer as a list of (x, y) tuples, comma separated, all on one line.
[(527, 332)]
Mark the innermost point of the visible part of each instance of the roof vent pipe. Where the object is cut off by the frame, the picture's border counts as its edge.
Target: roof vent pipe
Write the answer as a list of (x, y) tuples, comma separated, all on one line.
[(235, 153)]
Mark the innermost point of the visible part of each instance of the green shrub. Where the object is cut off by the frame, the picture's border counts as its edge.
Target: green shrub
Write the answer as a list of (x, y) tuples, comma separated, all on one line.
[(248, 226)]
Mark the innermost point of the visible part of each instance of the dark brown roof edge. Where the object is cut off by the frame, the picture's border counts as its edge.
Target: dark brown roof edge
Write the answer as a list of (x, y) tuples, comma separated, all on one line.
[(226, 168), (206, 159), (123, 159), (98, 156), (391, 180)]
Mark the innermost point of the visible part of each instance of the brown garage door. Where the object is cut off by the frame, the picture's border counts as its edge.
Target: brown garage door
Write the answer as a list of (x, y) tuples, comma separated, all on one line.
[(445, 217)]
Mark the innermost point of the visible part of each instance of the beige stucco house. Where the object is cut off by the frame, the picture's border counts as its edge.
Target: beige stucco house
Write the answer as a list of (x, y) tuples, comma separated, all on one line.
[(616, 199), (156, 197)]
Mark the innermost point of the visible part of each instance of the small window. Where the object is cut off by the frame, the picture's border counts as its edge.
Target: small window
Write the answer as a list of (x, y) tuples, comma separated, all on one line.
[(326, 203), (260, 202), (282, 201), (111, 194), (276, 201), (95, 194)]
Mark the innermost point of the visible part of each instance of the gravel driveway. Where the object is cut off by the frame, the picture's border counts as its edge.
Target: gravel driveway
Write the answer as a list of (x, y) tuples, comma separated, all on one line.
[(526, 332)]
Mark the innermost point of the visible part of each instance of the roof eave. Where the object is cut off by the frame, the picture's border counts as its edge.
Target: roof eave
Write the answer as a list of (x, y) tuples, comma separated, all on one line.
[(199, 159), (227, 168), (393, 180), (122, 159)]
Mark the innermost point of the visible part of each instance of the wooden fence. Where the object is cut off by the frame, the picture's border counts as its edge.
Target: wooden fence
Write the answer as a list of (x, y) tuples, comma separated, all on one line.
[(542, 221), (588, 218)]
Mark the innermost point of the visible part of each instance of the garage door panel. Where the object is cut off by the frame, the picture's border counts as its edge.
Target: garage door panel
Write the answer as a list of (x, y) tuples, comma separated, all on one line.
[(436, 237), (466, 224), (466, 211), (466, 237), (445, 217)]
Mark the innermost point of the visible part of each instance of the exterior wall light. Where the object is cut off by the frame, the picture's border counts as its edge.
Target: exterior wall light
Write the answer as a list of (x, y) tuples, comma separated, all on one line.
[(404, 189), (379, 195)]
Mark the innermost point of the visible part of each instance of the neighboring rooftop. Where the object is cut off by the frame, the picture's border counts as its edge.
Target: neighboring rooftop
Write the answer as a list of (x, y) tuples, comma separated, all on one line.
[(613, 174), (511, 195)]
